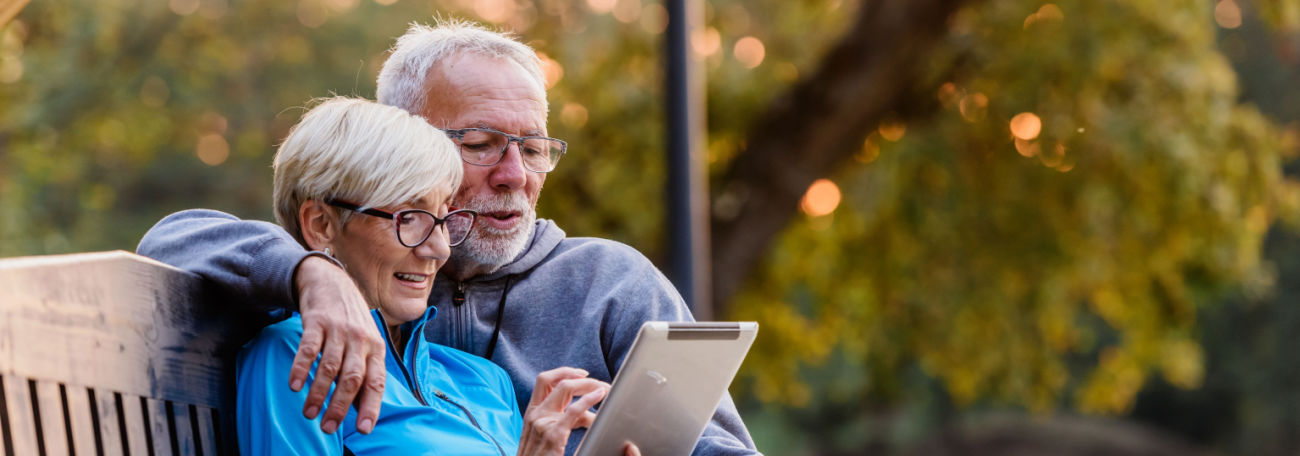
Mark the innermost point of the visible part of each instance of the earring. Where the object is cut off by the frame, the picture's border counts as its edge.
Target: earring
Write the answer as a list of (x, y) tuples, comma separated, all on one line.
[(329, 253)]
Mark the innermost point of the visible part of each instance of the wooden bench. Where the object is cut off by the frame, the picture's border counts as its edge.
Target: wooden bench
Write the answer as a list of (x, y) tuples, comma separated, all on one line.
[(112, 353)]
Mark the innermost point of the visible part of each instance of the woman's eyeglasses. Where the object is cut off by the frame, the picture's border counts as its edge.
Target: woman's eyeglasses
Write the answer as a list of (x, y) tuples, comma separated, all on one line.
[(414, 226)]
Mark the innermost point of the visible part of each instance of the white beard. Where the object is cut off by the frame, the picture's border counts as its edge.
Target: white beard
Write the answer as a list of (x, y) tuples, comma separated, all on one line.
[(490, 247)]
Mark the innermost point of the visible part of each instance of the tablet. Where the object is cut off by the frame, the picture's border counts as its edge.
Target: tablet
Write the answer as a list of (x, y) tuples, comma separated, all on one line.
[(671, 382)]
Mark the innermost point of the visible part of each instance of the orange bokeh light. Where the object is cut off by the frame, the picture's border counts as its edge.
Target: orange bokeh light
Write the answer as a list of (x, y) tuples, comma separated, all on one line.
[(601, 6), (573, 115), (706, 42), (822, 197), (495, 11), (627, 11), (1227, 14), (654, 19), (1047, 13), (553, 71), (892, 130), (1026, 148), (1026, 126), (212, 149), (749, 51)]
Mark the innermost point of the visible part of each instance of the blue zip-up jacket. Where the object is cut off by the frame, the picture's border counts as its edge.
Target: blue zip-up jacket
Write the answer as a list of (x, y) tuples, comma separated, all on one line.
[(565, 301), (437, 400)]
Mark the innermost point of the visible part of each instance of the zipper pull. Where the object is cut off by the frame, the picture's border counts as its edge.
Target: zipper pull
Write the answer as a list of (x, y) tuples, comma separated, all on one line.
[(441, 395), (458, 297)]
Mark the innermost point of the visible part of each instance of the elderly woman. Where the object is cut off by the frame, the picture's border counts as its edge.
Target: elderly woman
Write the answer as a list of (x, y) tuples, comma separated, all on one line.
[(369, 187)]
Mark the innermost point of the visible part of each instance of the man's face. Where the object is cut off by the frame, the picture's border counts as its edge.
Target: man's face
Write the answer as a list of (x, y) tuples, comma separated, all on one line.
[(469, 90)]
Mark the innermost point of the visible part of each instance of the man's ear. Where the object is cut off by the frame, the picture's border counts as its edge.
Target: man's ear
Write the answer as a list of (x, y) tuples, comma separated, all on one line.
[(318, 225)]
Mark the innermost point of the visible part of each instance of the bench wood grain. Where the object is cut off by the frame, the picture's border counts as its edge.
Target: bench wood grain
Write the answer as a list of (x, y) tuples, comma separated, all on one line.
[(130, 331)]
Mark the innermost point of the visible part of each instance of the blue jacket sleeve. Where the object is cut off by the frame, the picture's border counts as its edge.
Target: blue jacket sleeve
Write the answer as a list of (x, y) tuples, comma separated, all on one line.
[(647, 295), (249, 261), (268, 415)]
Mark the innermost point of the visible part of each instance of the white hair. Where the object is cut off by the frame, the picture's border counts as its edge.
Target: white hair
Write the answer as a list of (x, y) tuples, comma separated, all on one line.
[(402, 81), (362, 152)]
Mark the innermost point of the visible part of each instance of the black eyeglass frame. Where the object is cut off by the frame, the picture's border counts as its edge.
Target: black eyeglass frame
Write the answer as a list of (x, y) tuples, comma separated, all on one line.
[(459, 134), (397, 230)]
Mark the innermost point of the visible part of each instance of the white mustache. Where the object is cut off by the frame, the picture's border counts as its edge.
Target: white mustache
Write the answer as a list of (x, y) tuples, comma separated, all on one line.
[(507, 202)]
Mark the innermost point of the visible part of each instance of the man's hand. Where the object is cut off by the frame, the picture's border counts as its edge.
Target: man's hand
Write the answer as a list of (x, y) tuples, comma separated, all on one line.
[(336, 325), (552, 412)]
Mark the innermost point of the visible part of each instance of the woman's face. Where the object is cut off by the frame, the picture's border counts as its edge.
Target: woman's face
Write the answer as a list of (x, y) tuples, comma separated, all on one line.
[(394, 278)]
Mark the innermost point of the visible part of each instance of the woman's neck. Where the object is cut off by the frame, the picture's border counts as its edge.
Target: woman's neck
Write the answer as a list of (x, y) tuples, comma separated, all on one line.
[(397, 337)]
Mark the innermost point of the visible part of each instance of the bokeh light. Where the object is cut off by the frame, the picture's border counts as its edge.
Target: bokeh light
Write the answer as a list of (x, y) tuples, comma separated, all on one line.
[(1227, 14), (1053, 157), (553, 71), (822, 197), (892, 130), (1026, 126), (183, 7), (1026, 147), (1048, 13), (706, 42), (495, 11), (573, 115), (212, 149), (870, 151), (627, 11), (337, 5), (601, 6), (948, 94), (749, 51), (654, 19)]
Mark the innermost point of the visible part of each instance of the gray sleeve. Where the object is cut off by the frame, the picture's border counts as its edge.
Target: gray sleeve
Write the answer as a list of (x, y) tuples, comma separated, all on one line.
[(647, 295), (250, 261)]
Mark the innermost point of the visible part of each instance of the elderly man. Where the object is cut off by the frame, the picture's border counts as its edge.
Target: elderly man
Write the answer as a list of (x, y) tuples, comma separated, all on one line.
[(518, 292)]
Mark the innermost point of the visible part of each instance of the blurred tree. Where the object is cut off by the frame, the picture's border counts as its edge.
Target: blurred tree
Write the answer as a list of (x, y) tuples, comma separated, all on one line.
[(1249, 403), (1047, 239)]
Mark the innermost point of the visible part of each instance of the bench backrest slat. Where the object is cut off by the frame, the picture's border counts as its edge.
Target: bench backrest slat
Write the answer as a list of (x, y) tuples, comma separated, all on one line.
[(20, 437), (112, 353), (110, 431), (81, 418)]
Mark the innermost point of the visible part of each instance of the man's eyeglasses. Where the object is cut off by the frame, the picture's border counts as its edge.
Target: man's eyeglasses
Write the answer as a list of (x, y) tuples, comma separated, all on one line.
[(414, 226), (486, 147)]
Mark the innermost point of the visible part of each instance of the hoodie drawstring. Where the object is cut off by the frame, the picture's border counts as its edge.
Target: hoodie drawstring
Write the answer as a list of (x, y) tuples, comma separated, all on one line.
[(496, 329)]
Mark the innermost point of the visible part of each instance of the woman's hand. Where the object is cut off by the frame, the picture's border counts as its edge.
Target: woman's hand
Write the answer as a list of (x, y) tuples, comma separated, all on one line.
[(552, 413)]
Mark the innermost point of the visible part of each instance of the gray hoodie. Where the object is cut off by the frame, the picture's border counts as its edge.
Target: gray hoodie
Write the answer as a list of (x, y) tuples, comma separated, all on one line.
[(575, 302)]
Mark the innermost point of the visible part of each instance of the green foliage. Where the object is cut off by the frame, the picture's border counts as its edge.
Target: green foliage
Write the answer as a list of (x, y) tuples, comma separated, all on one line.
[(103, 131), (1066, 266)]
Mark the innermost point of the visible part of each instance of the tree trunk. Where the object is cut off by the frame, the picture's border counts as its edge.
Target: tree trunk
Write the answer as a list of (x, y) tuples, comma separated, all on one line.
[(868, 75)]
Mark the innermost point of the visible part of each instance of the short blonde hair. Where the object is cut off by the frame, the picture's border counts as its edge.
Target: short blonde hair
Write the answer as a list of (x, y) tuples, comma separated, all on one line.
[(363, 152), (402, 80)]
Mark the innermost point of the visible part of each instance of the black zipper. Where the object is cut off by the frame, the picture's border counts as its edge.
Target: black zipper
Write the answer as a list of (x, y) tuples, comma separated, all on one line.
[(458, 315), (473, 421), (458, 296)]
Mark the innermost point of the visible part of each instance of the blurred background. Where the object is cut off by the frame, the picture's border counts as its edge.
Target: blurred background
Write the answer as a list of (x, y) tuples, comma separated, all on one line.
[(966, 227)]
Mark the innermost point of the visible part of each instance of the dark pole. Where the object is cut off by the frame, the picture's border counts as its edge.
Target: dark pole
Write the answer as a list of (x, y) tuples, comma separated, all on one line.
[(688, 205)]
